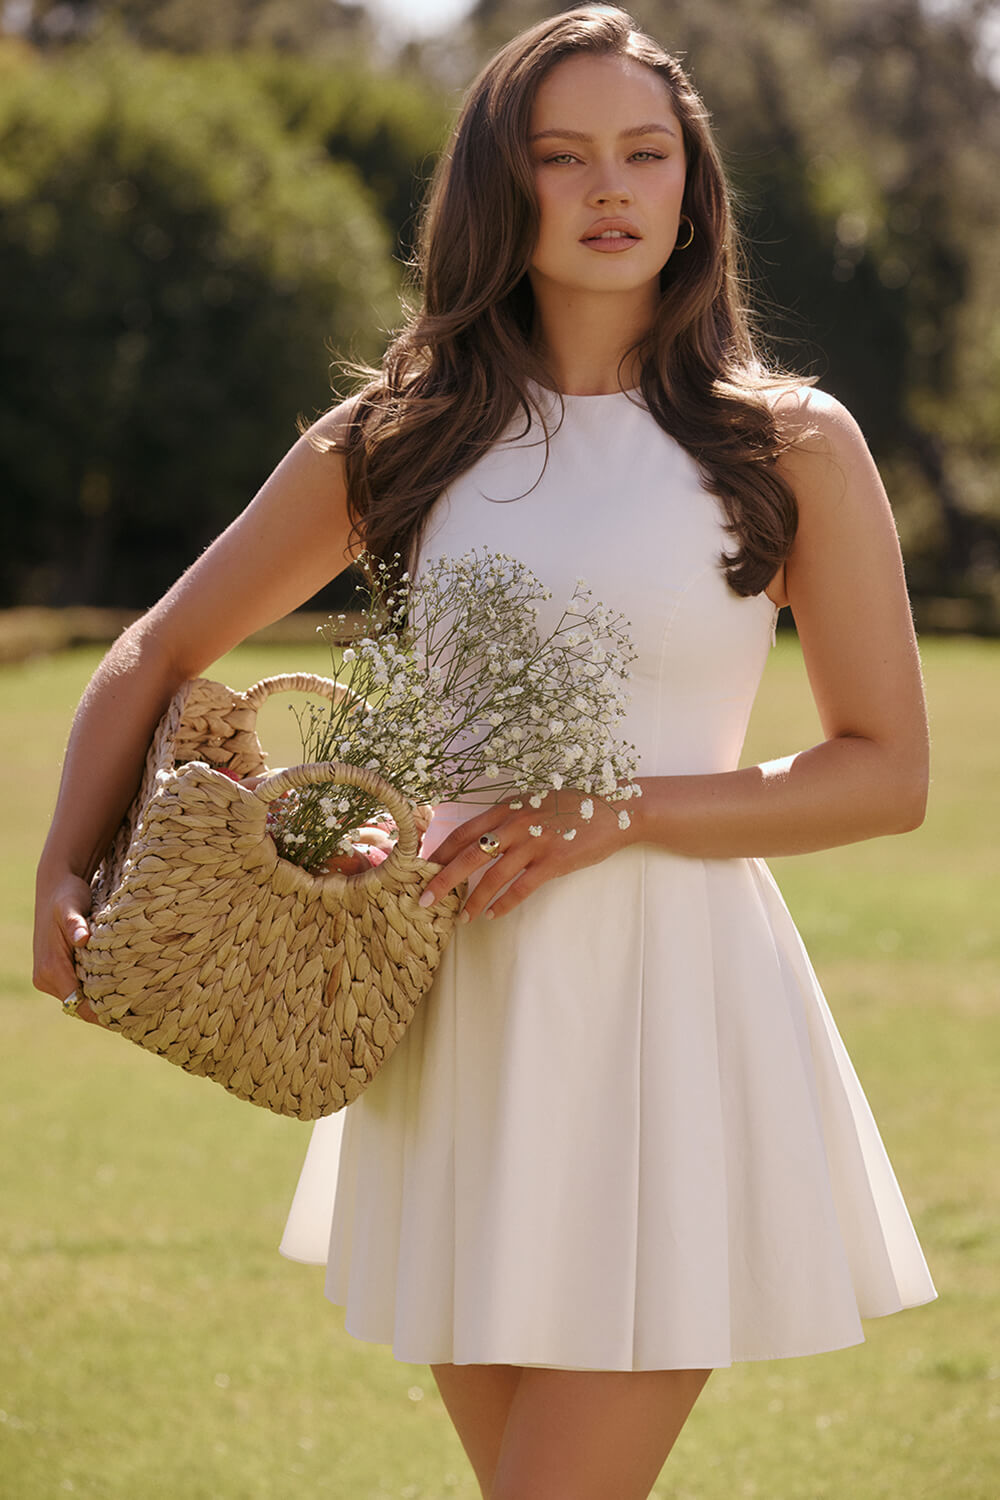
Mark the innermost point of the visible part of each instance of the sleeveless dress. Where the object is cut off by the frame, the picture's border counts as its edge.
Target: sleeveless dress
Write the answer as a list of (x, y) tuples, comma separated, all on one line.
[(622, 1132)]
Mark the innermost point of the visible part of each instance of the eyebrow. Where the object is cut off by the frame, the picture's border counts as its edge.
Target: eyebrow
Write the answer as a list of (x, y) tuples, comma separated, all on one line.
[(581, 135)]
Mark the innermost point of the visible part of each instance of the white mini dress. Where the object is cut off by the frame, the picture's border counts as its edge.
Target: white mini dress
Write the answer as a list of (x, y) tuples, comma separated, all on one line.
[(623, 1132)]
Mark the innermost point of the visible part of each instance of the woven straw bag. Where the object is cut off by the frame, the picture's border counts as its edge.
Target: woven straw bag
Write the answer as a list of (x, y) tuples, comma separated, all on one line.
[(208, 948)]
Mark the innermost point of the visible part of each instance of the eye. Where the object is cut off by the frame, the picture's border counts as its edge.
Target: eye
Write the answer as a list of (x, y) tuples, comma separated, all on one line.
[(559, 158), (646, 153)]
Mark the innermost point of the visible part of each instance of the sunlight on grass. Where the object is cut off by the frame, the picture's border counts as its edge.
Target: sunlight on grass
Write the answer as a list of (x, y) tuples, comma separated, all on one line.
[(157, 1346)]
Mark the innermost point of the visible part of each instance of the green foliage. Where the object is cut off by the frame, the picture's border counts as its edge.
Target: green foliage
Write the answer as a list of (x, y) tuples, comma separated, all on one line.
[(174, 269), (390, 126), (194, 26), (156, 1346), (187, 235)]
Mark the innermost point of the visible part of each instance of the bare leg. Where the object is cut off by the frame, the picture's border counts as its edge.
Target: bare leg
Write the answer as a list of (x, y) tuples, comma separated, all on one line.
[(478, 1399), (538, 1434)]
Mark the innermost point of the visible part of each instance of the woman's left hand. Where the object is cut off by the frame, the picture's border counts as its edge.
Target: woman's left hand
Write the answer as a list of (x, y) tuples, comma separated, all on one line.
[(525, 860)]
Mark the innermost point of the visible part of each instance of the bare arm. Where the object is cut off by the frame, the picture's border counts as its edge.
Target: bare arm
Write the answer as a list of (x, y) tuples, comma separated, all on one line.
[(291, 540), (844, 581)]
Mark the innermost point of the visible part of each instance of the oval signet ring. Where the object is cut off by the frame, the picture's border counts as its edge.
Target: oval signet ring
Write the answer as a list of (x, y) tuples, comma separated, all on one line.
[(490, 844)]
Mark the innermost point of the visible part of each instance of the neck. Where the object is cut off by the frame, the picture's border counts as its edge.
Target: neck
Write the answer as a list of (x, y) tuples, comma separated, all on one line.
[(584, 336)]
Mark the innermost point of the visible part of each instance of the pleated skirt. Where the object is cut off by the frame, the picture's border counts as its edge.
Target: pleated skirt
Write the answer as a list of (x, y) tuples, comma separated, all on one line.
[(623, 1133)]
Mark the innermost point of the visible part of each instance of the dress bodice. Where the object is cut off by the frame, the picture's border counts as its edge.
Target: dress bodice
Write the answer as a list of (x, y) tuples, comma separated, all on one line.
[(620, 503)]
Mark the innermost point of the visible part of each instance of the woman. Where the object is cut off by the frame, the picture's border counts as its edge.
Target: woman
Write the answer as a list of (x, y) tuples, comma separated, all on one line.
[(622, 1142)]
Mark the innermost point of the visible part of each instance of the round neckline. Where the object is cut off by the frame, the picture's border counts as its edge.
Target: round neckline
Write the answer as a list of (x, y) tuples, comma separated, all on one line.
[(547, 390), (597, 395)]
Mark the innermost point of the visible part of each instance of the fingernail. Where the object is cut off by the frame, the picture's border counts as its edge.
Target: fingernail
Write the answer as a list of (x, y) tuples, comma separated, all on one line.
[(427, 899)]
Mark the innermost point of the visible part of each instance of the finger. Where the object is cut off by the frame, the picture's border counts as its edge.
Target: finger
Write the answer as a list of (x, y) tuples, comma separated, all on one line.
[(58, 977), (466, 836), (77, 929), (62, 981), (508, 883), (529, 881), (466, 863), (75, 1005), (55, 973)]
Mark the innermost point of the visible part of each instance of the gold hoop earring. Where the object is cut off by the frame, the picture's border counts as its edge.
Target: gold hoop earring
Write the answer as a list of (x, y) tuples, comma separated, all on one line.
[(687, 242)]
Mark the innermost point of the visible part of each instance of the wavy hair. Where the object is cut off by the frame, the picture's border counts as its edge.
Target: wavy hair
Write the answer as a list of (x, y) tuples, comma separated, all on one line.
[(456, 376)]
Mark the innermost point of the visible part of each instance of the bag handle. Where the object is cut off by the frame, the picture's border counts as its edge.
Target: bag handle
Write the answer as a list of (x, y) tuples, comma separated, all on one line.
[(298, 682), (338, 772)]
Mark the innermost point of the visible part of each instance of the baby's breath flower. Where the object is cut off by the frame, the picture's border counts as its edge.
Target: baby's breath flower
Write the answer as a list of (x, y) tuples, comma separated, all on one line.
[(570, 834), (586, 809), (431, 703), (624, 820), (535, 830)]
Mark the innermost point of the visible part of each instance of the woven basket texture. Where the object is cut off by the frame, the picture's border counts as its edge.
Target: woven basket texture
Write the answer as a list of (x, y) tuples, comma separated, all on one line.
[(288, 989)]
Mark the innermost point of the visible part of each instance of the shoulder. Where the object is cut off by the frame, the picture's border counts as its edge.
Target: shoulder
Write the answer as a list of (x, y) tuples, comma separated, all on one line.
[(329, 433), (803, 412), (843, 509), (812, 422), (824, 454)]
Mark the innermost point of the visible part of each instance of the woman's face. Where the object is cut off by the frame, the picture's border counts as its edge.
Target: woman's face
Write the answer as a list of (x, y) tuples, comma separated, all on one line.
[(608, 153)]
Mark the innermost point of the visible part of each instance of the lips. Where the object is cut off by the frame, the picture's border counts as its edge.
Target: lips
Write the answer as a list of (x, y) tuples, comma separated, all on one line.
[(611, 234)]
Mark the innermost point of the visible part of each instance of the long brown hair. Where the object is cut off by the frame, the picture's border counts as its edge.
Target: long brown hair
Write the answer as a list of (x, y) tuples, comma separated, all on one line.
[(456, 376)]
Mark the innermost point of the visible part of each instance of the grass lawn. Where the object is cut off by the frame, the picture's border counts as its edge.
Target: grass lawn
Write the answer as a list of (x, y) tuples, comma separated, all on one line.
[(155, 1345)]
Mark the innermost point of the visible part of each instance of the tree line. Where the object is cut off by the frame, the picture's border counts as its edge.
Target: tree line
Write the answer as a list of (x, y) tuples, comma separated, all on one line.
[(203, 208)]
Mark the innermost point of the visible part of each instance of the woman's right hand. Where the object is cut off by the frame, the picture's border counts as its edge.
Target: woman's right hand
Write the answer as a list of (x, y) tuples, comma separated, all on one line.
[(60, 927)]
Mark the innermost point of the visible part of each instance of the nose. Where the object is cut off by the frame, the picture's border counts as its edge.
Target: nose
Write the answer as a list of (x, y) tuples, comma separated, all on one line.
[(601, 197), (608, 188)]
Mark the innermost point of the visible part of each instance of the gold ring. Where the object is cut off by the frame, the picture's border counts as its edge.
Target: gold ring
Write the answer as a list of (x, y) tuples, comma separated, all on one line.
[(72, 1004), (490, 844)]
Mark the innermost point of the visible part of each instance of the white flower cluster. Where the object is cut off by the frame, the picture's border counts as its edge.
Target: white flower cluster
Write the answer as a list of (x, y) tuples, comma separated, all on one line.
[(451, 690)]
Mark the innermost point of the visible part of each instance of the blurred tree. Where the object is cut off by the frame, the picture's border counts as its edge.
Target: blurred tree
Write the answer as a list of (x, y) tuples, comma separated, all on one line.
[(195, 26), (172, 269), (390, 127), (862, 140)]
